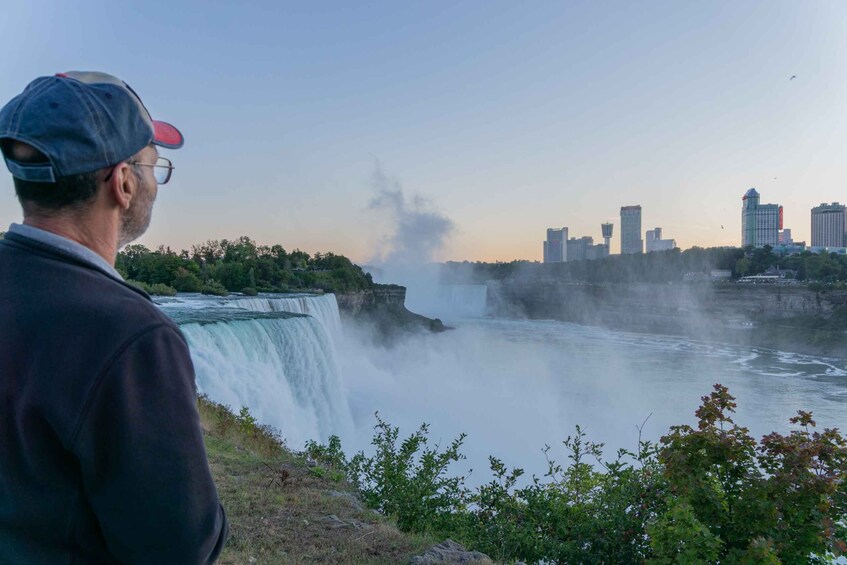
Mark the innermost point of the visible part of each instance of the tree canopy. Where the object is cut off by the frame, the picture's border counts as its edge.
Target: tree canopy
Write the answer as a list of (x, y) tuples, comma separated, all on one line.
[(240, 265)]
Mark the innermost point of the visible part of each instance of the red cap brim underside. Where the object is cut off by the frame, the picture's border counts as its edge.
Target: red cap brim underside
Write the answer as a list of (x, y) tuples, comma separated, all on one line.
[(167, 136)]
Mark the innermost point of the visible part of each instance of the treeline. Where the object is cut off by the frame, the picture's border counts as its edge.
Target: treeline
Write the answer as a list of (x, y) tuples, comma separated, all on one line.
[(704, 494), (806, 266), (240, 265), (659, 267)]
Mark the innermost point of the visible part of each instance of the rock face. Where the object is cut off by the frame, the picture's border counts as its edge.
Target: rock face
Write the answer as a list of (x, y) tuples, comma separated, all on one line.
[(383, 310), (791, 318), (449, 552), (382, 297)]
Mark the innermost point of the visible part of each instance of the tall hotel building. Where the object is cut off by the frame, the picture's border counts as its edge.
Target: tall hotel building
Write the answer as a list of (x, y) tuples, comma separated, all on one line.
[(760, 223), (631, 241), (829, 224), (556, 246)]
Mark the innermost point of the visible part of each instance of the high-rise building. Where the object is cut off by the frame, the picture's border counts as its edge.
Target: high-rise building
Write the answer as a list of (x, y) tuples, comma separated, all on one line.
[(555, 248), (829, 225), (656, 243), (760, 223), (631, 241), (578, 247)]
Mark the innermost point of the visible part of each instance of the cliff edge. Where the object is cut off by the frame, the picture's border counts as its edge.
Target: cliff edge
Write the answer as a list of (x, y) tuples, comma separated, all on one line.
[(787, 318), (383, 309)]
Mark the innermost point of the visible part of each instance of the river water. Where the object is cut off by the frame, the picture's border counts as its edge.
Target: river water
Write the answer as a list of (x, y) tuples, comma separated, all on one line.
[(513, 386)]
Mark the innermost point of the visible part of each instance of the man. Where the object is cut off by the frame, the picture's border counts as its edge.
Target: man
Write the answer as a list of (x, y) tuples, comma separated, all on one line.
[(101, 449)]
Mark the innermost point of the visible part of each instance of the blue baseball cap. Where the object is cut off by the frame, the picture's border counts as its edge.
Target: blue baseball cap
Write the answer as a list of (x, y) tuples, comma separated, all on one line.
[(82, 122)]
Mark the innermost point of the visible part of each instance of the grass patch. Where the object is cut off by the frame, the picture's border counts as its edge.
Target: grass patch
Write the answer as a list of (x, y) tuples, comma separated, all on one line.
[(281, 510)]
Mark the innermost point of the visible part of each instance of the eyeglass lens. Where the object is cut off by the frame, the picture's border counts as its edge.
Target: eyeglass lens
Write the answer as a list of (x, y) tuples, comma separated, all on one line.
[(162, 170)]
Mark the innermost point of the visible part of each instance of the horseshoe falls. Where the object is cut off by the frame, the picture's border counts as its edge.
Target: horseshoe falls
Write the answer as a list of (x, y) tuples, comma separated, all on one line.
[(276, 356)]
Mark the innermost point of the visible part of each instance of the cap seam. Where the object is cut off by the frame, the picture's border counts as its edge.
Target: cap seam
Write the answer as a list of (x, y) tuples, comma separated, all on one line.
[(92, 114)]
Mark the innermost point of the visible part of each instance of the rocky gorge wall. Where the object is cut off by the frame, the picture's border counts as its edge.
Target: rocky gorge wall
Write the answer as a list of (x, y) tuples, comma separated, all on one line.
[(792, 318)]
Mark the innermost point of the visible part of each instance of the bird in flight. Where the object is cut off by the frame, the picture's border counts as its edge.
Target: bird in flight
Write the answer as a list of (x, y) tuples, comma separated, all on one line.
[(793, 77), (721, 226)]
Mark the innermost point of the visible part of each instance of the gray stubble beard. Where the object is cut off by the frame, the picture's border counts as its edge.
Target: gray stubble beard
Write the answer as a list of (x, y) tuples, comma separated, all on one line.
[(136, 219)]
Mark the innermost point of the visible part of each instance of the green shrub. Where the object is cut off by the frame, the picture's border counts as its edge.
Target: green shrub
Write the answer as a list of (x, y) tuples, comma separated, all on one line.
[(186, 281), (409, 481), (249, 291), (214, 288), (705, 495), (788, 491), (574, 514), (330, 455), (157, 289)]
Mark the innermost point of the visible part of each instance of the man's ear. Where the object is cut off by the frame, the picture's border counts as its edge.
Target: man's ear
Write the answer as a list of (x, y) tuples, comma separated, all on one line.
[(122, 185)]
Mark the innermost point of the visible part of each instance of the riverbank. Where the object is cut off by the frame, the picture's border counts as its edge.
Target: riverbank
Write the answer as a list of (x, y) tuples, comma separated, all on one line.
[(282, 510)]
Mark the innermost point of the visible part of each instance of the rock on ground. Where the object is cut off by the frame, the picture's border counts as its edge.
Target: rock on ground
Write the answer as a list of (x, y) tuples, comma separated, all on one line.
[(449, 552)]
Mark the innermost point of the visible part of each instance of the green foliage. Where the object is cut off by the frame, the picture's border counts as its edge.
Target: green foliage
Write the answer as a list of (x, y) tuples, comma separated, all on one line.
[(249, 427), (249, 291), (330, 455), (186, 281), (214, 288), (577, 513), (240, 265), (245, 419), (409, 481), (156, 289), (709, 494), (679, 537), (660, 267), (222, 421), (788, 492)]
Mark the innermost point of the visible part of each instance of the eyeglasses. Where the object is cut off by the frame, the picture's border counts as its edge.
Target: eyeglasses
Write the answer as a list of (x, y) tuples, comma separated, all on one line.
[(162, 169)]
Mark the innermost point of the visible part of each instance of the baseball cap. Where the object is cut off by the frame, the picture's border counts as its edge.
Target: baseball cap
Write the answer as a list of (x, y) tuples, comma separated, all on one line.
[(82, 121)]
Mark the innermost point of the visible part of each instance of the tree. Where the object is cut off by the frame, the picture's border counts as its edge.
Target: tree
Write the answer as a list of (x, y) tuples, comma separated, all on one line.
[(186, 281)]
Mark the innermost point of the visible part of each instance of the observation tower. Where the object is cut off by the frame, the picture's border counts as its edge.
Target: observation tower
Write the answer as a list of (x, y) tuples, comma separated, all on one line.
[(607, 232)]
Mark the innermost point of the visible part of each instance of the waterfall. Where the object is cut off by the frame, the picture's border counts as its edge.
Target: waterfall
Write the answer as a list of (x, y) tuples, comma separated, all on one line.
[(466, 300), (448, 301), (283, 370), (275, 356), (324, 308)]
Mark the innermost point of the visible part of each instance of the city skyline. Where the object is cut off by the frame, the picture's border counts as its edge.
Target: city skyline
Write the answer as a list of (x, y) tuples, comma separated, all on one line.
[(493, 118)]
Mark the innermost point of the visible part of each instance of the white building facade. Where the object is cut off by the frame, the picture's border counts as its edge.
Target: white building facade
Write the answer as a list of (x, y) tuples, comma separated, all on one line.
[(655, 242), (760, 223), (829, 225)]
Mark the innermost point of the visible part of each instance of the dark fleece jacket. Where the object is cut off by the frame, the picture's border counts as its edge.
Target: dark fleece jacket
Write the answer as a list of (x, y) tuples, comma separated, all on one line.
[(101, 449)]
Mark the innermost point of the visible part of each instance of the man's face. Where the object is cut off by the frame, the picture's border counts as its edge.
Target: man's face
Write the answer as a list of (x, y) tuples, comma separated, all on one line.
[(137, 217)]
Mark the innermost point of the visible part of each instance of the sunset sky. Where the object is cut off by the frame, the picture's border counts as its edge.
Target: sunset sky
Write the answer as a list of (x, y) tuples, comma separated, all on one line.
[(495, 120)]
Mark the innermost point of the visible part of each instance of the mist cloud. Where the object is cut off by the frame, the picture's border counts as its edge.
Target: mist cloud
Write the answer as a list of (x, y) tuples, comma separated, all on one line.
[(418, 231)]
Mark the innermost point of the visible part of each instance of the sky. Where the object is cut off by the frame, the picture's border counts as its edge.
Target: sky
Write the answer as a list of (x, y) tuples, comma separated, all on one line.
[(325, 126)]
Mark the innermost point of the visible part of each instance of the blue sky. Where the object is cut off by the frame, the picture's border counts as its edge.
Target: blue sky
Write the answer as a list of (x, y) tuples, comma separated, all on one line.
[(506, 117)]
